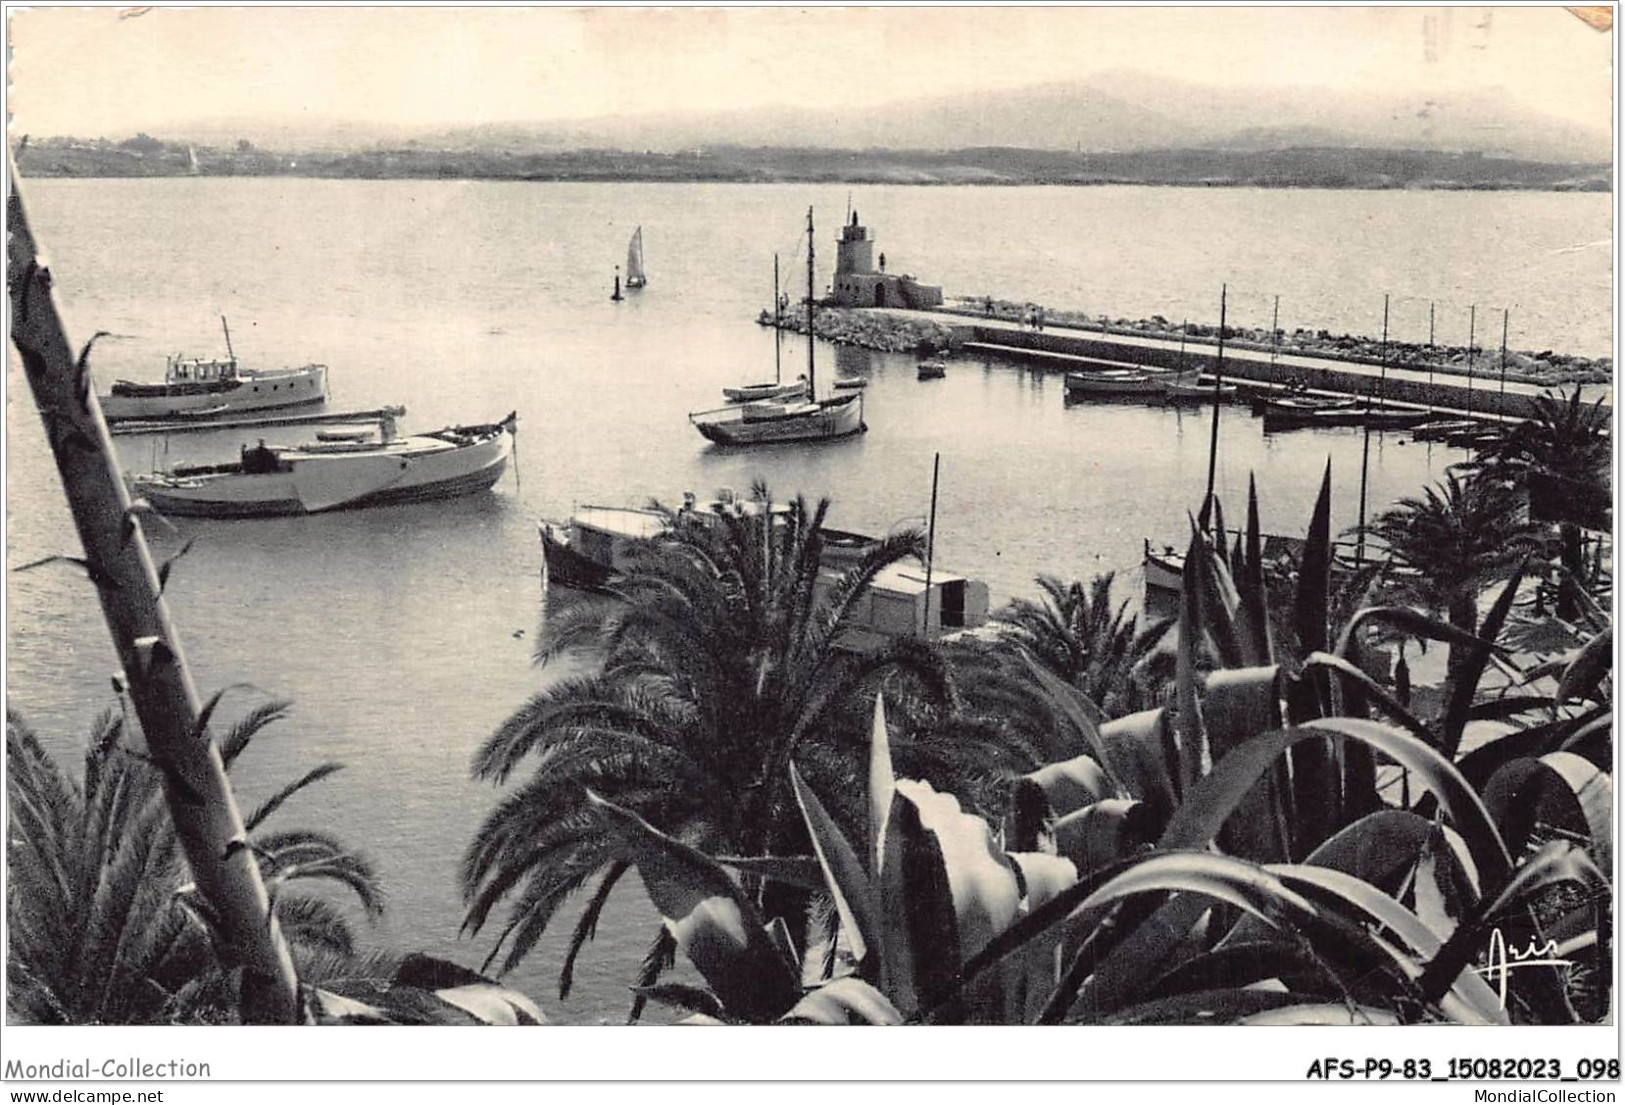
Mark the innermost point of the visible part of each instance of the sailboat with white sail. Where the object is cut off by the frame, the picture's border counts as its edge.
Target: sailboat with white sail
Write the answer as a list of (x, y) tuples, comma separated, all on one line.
[(635, 276), (807, 418)]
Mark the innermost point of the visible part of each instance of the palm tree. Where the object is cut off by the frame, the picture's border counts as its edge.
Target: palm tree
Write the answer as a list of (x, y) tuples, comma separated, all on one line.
[(718, 665), (1562, 458), (104, 927), (1086, 639), (1460, 536)]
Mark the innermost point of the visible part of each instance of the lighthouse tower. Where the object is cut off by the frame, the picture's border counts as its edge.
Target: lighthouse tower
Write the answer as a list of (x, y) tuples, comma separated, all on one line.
[(855, 251), (857, 284)]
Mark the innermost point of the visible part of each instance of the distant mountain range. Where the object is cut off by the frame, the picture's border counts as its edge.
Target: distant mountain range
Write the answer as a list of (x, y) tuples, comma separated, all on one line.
[(1115, 113)]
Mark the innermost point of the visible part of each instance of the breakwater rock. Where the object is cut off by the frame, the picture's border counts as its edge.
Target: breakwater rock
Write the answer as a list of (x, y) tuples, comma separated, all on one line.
[(1541, 368), (887, 332)]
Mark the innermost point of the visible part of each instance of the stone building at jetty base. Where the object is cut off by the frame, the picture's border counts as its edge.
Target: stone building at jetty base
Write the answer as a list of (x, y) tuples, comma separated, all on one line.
[(859, 284)]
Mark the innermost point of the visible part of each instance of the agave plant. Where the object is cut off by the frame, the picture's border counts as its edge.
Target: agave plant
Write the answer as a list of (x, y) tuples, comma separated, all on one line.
[(926, 888), (104, 927), (939, 925), (1278, 761)]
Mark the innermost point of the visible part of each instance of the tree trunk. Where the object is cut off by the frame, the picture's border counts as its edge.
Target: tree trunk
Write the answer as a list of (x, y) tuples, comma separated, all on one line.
[(120, 567)]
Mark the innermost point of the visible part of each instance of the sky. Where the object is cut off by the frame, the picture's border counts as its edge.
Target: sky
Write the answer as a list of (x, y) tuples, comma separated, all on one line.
[(91, 72)]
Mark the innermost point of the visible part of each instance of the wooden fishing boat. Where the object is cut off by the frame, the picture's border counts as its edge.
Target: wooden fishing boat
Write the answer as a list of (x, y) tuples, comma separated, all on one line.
[(201, 387), (1189, 388), (756, 393), (931, 370), (1113, 381), (1164, 570), (1279, 416), (773, 423), (804, 418), (336, 474)]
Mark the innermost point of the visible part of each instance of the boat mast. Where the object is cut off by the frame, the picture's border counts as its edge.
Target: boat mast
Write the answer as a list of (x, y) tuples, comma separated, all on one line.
[(1503, 403), (1218, 382), (1365, 450), (1472, 331), (1432, 356), (931, 539), (778, 331), (812, 385)]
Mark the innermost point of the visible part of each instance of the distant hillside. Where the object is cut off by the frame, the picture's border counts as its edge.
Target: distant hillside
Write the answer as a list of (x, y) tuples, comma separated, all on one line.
[(1115, 113), (1293, 167)]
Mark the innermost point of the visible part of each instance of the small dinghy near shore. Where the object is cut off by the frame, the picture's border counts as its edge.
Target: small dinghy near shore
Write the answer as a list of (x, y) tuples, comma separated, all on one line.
[(339, 474)]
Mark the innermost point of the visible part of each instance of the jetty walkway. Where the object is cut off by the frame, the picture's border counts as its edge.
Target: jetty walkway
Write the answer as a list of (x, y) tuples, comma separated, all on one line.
[(1061, 347)]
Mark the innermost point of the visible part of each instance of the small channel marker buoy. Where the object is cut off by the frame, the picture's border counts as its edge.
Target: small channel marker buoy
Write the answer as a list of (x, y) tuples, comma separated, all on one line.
[(617, 296)]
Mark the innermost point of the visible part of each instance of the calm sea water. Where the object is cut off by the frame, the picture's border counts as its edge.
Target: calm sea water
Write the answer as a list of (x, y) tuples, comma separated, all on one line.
[(403, 635)]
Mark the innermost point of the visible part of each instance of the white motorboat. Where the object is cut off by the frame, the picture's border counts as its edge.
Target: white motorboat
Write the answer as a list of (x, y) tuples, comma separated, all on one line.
[(205, 387), (336, 474)]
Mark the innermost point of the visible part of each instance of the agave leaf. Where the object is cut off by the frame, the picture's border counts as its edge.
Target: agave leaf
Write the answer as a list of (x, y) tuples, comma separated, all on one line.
[(844, 1001), (1478, 765), (1217, 796), (844, 873), (1465, 685), (1255, 619), (1072, 784), (1146, 757), (1186, 764), (1161, 942), (1323, 1013), (1412, 622), (1467, 1000), (1555, 863), (1594, 739), (1289, 964), (1214, 601), (1236, 705), (1585, 672), (1103, 831), (1071, 702), (983, 881), (1028, 977), (919, 935), (1559, 789), (1382, 847), (714, 923), (1235, 882), (1314, 573), (882, 782), (1372, 689), (1222, 1006), (1437, 888)]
